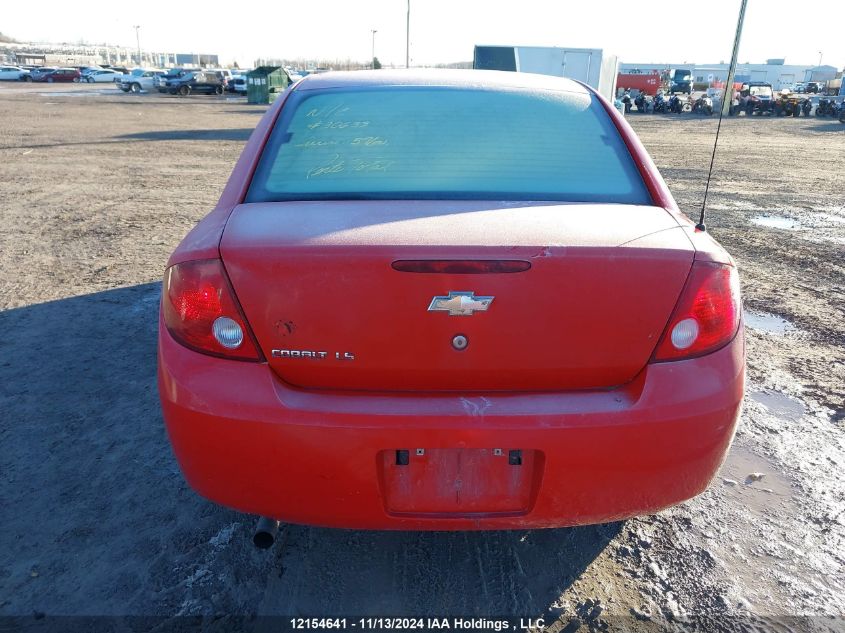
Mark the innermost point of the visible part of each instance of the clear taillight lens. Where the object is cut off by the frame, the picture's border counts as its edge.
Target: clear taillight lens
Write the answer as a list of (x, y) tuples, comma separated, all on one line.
[(706, 316), (201, 312)]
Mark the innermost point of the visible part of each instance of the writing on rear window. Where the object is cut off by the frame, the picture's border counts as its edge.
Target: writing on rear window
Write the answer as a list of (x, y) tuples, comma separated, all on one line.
[(414, 142)]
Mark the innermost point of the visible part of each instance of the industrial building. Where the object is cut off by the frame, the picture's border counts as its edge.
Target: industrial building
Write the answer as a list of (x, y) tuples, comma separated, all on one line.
[(775, 72), (79, 55)]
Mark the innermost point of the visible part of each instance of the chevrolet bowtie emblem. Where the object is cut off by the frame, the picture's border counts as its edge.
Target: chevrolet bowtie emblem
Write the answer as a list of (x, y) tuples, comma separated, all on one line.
[(460, 304)]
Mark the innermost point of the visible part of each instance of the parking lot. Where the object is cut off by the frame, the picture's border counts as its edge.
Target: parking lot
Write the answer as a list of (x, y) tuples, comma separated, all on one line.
[(98, 187)]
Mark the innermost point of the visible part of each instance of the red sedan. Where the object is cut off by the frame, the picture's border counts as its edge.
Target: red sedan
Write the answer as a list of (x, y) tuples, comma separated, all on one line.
[(448, 300), (58, 75)]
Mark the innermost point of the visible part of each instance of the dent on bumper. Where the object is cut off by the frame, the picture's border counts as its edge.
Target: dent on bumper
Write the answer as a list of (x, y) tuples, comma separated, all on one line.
[(246, 440)]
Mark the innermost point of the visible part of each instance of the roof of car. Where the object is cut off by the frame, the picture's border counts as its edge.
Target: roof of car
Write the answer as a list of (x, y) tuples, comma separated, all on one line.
[(480, 79)]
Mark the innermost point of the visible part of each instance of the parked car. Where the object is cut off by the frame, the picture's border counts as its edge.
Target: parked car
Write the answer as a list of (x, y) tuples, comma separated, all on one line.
[(12, 73), (225, 75), (140, 79), (202, 82), (387, 323), (58, 75), (170, 75), (238, 84), (37, 73), (103, 75)]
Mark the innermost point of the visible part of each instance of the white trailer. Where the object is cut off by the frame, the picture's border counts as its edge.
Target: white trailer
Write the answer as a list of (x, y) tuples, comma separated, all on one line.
[(590, 65)]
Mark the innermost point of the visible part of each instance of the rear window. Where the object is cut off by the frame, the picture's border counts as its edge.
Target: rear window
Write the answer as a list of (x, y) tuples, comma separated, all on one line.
[(445, 143)]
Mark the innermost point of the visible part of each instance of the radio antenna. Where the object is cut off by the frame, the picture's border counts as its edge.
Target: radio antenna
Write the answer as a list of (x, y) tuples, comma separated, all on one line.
[(726, 105)]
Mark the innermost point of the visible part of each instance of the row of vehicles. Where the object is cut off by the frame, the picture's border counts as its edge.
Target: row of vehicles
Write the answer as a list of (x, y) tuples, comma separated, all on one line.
[(809, 87), (702, 103), (753, 98), (45, 74), (681, 81), (759, 98), (181, 81), (53, 74), (184, 81)]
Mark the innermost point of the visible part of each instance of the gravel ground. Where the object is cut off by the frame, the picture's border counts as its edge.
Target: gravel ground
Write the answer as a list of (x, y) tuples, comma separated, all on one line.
[(97, 189)]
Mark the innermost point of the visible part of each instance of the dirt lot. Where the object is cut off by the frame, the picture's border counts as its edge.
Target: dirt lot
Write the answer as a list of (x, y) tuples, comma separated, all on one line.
[(97, 187)]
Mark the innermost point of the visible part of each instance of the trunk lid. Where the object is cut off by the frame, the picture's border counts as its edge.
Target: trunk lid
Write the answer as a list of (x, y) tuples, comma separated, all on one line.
[(317, 285)]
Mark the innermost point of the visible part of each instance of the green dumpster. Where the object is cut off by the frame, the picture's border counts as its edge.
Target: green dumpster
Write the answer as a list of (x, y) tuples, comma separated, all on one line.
[(265, 83)]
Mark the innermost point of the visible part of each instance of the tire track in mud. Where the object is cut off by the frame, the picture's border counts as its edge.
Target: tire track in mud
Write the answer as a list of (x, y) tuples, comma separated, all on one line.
[(322, 571)]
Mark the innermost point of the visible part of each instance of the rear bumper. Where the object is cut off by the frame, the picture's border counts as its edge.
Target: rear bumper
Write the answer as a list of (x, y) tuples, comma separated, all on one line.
[(246, 440)]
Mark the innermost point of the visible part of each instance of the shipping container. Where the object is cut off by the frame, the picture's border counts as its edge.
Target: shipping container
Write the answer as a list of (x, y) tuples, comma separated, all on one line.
[(589, 65), (648, 83)]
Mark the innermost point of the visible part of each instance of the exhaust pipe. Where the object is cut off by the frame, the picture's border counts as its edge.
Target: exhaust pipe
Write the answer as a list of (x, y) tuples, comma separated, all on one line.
[(265, 532)]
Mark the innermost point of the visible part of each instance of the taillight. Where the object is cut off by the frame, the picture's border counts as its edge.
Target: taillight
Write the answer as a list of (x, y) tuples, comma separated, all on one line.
[(201, 312), (706, 316)]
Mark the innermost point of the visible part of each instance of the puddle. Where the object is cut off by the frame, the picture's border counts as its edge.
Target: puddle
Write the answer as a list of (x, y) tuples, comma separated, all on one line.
[(768, 323), (80, 93), (755, 478), (775, 222), (780, 404)]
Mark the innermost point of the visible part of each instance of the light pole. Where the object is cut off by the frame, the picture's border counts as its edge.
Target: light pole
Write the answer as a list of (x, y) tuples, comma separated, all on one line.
[(408, 37), (373, 56), (820, 58), (138, 43)]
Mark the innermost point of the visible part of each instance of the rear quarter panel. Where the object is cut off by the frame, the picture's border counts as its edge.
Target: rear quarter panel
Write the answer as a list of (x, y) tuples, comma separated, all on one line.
[(203, 241)]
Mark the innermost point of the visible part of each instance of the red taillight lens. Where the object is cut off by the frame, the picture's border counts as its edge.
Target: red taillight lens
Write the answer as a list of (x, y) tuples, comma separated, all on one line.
[(201, 312), (706, 316)]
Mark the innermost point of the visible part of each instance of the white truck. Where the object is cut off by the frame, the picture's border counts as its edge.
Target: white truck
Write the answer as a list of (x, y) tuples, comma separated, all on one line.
[(590, 65)]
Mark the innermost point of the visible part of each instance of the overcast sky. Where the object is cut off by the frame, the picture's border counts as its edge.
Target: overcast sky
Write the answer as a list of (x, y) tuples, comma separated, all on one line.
[(444, 30)]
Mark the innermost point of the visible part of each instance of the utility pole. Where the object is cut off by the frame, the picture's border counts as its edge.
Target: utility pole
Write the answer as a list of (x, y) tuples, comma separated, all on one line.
[(138, 43), (373, 56), (728, 96), (408, 37)]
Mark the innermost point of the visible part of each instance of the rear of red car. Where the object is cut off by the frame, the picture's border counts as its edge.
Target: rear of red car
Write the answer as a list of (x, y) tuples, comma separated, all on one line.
[(448, 301)]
